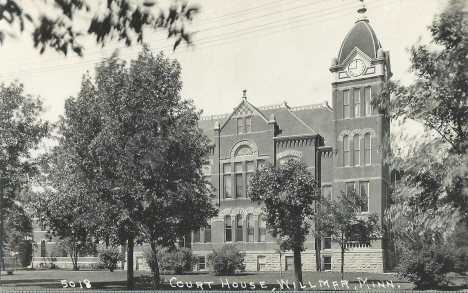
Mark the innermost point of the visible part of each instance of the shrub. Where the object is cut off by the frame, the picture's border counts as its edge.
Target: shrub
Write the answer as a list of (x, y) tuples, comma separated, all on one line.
[(427, 267), (171, 261), (226, 260), (110, 257)]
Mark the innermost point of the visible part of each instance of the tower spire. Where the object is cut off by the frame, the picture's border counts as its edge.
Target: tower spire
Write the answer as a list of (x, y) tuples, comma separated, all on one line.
[(362, 10)]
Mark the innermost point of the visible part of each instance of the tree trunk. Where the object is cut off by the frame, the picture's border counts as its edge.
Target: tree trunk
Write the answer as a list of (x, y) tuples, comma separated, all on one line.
[(342, 262), (298, 267), (155, 269), (130, 281)]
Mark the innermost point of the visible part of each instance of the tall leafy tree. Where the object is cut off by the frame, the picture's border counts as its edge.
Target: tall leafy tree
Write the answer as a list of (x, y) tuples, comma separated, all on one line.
[(22, 131), (439, 100), (114, 19), (340, 220), (141, 151), (288, 192)]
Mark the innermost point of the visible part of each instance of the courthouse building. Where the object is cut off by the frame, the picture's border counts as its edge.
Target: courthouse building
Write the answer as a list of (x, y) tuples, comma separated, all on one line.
[(340, 143)]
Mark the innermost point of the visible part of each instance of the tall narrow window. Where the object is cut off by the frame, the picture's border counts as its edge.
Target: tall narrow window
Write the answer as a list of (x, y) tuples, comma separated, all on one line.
[(364, 194), (248, 124), (208, 233), (196, 236), (346, 104), (239, 229), (346, 150), (327, 263), (250, 228), (327, 192), (261, 228), (356, 150), (327, 242), (227, 229), (349, 187), (239, 125), (43, 249), (367, 101), (239, 182), (250, 170), (367, 149), (227, 180), (357, 102), (201, 263)]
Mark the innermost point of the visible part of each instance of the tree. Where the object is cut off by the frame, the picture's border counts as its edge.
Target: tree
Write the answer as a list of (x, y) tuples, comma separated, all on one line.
[(288, 193), (121, 19), (22, 131), (439, 100), (341, 221), (141, 152)]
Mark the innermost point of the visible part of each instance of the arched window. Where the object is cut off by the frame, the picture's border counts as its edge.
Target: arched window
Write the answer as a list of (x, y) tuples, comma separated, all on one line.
[(250, 228), (356, 150), (346, 151), (367, 149), (227, 229), (43, 249), (239, 229), (261, 228)]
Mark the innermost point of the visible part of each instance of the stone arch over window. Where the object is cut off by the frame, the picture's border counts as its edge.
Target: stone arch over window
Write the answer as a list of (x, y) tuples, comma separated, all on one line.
[(244, 146)]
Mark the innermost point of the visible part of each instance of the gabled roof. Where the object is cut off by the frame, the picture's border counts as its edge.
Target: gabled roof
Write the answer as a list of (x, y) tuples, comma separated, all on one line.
[(244, 108)]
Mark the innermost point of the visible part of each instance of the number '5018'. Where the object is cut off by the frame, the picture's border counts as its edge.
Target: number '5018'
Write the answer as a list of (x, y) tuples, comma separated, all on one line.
[(72, 284)]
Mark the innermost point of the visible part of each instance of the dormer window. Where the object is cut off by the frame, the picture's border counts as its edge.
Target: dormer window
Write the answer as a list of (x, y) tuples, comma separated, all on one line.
[(239, 125), (248, 124)]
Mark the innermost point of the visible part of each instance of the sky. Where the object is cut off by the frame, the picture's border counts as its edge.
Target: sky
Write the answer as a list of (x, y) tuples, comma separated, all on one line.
[(277, 50)]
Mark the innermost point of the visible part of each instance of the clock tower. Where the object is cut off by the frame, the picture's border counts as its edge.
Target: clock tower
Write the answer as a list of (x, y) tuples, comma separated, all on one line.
[(359, 71)]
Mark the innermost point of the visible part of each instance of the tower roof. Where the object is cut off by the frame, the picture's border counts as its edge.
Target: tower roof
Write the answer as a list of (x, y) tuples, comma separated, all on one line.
[(361, 36)]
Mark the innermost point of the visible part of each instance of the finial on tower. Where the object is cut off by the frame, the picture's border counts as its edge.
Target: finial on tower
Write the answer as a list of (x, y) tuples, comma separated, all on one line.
[(362, 10), (244, 96)]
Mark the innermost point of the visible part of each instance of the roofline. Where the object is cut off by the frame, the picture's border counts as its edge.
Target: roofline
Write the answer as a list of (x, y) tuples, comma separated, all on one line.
[(297, 136)]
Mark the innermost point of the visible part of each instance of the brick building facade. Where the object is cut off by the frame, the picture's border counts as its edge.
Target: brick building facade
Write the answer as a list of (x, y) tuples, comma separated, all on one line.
[(341, 145)]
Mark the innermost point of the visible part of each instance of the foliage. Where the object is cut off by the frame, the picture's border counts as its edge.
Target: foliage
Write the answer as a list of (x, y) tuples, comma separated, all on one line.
[(226, 260), (110, 257), (25, 253), (22, 131), (439, 100), (136, 153), (173, 261), (340, 220), (73, 248), (288, 193), (144, 279), (113, 19)]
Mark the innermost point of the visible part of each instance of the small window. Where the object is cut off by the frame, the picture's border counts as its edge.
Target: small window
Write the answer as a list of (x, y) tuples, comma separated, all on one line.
[(327, 264), (248, 124), (357, 103), (356, 150), (208, 233), (196, 236), (346, 151), (327, 192), (261, 228), (367, 149), (327, 243), (289, 260), (43, 249), (364, 194), (201, 263), (346, 104), (349, 187), (367, 101), (228, 229), (239, 229), (239, 125), (261, 263), (250, 228)]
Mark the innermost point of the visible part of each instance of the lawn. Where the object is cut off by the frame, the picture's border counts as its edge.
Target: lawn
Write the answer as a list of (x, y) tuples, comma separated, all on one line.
[(268, 281)]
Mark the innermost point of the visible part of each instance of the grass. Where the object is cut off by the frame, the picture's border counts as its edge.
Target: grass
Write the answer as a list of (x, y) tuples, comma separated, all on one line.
[(105, 280)]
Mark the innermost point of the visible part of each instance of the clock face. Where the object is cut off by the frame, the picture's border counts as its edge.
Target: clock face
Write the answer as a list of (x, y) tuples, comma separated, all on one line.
[(356, 67)]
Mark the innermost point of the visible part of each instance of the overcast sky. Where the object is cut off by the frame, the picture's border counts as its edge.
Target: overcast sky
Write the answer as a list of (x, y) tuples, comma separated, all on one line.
[(277, 50)]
